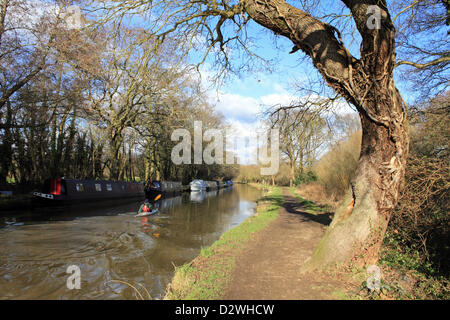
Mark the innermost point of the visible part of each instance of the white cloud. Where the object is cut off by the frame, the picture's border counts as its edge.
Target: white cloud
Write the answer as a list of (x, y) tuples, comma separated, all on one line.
[(243, 137), (243, 101), (237, 107), (243, 111), (247, 108), (278, 99)]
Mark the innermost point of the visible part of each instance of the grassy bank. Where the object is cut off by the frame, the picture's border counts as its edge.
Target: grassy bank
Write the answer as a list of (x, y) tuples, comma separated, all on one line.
[(207, 276), (260, 186), (310, 206)]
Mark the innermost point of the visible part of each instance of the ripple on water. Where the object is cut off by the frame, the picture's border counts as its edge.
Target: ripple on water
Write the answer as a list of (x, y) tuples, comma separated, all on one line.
[(34, 256)]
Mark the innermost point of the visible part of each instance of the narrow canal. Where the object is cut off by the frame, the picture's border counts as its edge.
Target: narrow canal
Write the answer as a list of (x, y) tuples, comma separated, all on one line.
[(108, 243)]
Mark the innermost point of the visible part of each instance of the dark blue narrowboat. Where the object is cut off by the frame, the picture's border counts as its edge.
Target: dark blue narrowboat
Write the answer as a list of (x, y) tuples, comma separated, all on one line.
[(155, 188), (75, 191)]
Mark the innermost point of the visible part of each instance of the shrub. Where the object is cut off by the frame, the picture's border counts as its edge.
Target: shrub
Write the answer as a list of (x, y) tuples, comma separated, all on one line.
[(315, 192), (421, 220), (336, 168), (305, 177), (420, 223)]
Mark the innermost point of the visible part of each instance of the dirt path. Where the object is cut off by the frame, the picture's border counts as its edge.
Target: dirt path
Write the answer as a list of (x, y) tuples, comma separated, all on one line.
[(269, 266)]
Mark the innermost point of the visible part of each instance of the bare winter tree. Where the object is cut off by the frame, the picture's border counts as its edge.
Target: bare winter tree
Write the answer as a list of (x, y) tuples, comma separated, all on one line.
[(24, 46), (359, 225), (302, 133), (422, 43), (365, 81)]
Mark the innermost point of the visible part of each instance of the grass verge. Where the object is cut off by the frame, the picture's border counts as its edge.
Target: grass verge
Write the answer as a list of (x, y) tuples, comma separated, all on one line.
[(310, 206), (260, 186), (207, 276)]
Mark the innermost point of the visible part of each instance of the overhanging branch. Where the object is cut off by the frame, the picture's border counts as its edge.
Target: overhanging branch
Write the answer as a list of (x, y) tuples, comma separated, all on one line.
[(424, 65)]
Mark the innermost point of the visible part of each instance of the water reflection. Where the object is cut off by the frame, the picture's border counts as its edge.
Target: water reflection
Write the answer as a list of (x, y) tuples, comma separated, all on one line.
[(197, 196), (170, 202), (109, 243)]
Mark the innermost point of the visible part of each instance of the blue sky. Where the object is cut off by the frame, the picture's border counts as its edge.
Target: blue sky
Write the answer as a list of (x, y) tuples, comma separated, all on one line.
[(243, 97)]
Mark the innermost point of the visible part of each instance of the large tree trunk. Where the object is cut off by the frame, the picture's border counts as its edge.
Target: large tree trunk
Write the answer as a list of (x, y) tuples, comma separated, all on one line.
[(360, 223)]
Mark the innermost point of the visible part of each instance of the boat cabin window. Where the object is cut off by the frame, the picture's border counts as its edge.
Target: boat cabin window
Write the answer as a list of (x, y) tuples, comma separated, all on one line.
[(108, 187), (79, 187), (98, 187)]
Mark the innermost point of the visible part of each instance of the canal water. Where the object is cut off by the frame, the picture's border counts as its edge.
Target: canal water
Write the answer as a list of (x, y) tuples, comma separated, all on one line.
[(109, 244)]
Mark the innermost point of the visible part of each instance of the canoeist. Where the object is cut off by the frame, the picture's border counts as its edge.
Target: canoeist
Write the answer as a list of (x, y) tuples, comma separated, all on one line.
[(145, 207)]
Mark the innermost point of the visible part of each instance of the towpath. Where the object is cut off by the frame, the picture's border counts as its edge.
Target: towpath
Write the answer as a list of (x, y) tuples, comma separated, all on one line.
[(269, 267)]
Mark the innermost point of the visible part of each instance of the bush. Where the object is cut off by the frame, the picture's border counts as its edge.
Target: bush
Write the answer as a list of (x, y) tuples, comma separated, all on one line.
[(420, 223), (251, 173), (315, 192), (421, 220), (305, 177), (337, 167)]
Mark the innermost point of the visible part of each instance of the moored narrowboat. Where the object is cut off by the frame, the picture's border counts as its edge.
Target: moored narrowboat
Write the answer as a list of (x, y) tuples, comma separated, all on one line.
[(73, 190), (198, 185), (155, 188), (211, 185)]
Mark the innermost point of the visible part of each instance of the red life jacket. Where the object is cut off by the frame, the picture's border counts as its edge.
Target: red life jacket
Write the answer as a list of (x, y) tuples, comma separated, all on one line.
[(145, 208)]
